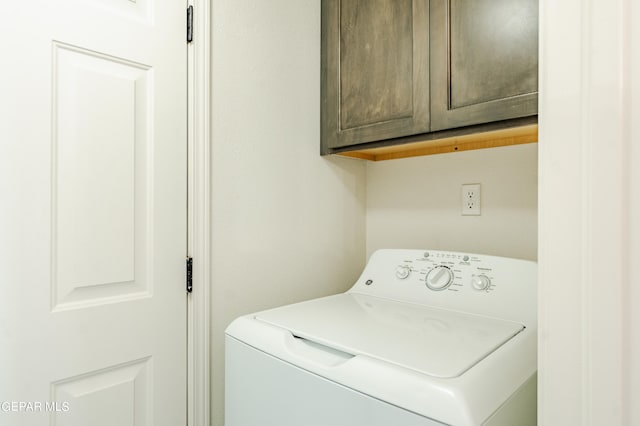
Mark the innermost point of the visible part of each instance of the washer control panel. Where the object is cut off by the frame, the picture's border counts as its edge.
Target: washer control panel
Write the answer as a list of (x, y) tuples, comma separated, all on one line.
[(449, 271), (488, 285)]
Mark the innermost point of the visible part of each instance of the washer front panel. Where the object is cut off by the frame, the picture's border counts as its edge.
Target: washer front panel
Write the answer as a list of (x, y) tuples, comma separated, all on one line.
[(263, 390)]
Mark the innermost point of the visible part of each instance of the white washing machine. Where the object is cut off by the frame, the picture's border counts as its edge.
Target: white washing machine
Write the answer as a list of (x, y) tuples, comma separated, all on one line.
[(422, 338)]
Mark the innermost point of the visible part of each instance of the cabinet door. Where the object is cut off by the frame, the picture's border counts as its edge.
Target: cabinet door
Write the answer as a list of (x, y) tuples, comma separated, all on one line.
[(375, 70), (484, 61)]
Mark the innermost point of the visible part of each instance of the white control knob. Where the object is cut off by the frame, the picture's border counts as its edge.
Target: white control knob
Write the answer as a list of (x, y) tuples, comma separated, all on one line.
[(480, 282), (439, 278), (403, 272)]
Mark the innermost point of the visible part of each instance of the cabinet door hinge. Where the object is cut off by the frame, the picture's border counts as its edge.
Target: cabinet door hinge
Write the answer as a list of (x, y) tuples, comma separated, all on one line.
[(189, 24), (189, 274)]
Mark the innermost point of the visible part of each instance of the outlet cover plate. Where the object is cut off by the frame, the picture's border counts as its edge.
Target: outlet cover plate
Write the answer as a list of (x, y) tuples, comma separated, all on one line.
[(471, 199)]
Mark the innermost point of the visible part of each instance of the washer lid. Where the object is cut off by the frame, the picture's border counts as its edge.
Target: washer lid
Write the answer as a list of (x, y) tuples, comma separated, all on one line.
[(432, 341)]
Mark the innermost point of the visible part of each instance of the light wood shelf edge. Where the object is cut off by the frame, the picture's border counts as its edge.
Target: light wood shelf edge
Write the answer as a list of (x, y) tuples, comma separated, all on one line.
[(491, 139)]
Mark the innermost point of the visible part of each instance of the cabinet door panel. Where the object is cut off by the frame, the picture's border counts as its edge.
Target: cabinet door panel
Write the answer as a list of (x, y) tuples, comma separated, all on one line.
[(484, 61), (376, 62), (375, 70)]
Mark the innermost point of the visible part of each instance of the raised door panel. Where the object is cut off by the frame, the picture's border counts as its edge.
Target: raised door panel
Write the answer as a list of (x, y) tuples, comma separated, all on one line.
[(100, 236), (484, 61), (375, 73)]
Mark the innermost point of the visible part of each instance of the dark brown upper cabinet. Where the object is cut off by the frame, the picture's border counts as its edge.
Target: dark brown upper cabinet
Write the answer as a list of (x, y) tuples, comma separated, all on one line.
[(401, 71), (375, 70), (484, 61)]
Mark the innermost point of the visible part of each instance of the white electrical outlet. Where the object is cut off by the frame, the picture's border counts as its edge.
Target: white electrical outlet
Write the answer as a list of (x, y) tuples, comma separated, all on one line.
[(471, 199)]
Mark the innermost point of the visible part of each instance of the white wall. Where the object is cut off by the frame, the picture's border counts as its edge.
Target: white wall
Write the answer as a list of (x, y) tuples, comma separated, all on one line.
[(416, 202), (287, 224)]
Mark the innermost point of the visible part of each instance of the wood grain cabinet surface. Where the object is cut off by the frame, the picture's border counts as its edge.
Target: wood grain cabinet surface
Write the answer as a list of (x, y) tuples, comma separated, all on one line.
[(375, 70), (399, 71)]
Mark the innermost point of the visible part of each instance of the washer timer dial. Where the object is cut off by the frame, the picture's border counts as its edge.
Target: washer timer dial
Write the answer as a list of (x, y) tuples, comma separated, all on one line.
[(439, 278)]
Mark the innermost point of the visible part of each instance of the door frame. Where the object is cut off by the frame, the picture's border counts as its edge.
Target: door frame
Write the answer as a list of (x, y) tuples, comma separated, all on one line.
[(199, 215), (588, 235)]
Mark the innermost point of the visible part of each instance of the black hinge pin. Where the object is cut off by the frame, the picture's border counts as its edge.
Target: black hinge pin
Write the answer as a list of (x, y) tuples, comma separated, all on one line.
[(189, 274), (189, 24)]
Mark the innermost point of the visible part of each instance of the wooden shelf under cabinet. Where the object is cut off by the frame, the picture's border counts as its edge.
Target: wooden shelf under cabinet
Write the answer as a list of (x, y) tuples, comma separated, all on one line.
[(489, 139)]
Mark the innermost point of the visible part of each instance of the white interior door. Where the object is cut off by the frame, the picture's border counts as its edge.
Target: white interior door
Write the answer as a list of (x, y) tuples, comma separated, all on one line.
[(93, 213)]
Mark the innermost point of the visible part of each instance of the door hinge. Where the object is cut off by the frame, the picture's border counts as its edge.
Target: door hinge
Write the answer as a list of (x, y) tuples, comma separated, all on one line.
[(189, 24), (189, 274)]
